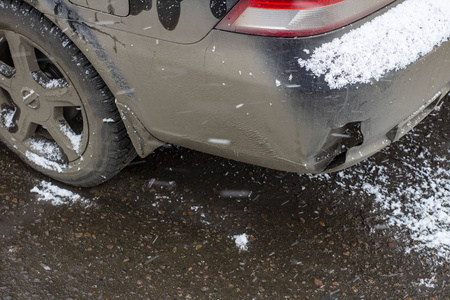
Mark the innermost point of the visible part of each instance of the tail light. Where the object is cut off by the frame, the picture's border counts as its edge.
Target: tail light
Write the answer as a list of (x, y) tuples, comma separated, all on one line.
[(292, 18)]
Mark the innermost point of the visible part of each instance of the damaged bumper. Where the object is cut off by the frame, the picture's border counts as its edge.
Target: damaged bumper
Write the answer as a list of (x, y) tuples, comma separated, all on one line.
[(282, 115), (257, 99)]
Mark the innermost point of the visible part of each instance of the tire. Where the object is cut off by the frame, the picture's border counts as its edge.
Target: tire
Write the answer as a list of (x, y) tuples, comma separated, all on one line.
[(56, 112)]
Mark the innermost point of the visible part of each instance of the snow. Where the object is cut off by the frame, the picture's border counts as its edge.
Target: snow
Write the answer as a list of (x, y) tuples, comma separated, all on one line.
[(388, 43), (48, 149), (74, 138), (426, 215), (49, 192), (108, 120), (5, 69), (45, 163), (48, 83), (413, 204), (277, 82), (241, 241), (8, 117)]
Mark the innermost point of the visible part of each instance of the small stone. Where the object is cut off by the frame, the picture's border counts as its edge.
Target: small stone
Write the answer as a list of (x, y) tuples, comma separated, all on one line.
[(318, 282)]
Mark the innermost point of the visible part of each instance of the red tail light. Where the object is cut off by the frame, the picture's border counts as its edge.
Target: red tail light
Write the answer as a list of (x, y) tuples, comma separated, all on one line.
[(291, 18)]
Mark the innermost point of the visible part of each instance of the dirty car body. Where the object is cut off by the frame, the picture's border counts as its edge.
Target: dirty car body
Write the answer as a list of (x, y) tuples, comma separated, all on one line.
[(184, 72)]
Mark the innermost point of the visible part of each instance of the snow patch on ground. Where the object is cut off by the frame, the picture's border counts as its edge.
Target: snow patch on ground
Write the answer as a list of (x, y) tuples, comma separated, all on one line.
[(425, 216), (241, 241), (389, 42), (414, 203), (49, 192)]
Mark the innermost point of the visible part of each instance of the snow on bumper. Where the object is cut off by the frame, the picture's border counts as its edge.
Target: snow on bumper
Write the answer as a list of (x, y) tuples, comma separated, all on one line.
[(389, 42)]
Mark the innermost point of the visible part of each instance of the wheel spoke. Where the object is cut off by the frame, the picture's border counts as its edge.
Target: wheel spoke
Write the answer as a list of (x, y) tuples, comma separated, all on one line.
[(64, 136), (22, 54), (25, 128), (5, 82), (57, 92), (6, 72)]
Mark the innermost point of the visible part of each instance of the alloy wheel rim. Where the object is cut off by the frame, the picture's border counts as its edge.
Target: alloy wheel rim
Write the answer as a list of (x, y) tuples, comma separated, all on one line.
[(41, 111)]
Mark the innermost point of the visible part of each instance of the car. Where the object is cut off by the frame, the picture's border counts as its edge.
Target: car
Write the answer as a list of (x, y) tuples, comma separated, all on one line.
[(307, 86)]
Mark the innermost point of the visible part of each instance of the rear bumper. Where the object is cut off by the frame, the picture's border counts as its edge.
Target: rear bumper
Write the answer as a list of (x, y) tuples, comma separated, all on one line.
[(247, 98), (279, 115)]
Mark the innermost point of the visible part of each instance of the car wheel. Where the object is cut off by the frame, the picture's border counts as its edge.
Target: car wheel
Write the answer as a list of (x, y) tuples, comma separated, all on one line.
[(56, 112)]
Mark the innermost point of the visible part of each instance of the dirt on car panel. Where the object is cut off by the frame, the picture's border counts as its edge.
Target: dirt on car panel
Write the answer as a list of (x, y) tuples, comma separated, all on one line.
[(167, 227)]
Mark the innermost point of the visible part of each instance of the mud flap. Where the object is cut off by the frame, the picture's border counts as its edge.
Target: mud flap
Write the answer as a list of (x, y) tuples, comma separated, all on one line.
[(143, 141)]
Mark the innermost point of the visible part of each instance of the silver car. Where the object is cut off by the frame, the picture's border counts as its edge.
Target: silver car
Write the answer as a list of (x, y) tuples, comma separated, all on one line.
[(296, 85)]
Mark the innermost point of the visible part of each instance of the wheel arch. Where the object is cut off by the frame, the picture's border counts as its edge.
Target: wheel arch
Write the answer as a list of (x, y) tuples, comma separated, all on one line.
[(66, 16)]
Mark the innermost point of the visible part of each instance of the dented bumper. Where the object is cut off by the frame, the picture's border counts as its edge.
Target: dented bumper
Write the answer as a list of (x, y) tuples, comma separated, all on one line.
[(280, 115), (254, 99)]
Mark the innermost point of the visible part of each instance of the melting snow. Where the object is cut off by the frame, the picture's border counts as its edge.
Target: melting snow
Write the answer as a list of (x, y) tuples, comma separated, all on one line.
[(241, 241), (56, 195), (389, 42)]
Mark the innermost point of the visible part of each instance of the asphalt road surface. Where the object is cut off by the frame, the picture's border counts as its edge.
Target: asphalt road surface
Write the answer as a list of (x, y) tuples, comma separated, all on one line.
[(185, 225)]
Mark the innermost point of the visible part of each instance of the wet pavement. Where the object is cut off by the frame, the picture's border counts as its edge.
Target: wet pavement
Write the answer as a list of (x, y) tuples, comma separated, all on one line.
[(166, 228)]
